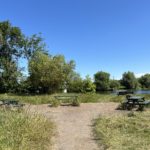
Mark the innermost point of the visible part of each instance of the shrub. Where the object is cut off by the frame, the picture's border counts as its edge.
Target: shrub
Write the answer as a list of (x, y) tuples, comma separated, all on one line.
[(76, 103), (54, 102)]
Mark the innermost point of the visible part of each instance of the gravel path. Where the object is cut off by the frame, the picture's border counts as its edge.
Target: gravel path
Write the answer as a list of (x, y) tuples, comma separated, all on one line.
[(74, 124)]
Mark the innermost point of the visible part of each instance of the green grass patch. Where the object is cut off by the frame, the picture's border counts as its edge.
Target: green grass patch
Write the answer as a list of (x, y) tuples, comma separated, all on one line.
[(82, 98), (94, 98), (129, 132), (21, 131), (31, 99)]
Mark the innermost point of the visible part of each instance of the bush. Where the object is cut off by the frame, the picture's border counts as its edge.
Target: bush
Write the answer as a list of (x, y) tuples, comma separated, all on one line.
[(102, 81), (54, 102), (76, 103)]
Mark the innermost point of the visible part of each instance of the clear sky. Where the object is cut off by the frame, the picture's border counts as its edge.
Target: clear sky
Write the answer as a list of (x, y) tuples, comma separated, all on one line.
[(107, 35)]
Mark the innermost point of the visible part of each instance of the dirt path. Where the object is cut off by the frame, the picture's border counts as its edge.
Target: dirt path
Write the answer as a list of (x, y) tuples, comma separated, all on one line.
[(74, 124)]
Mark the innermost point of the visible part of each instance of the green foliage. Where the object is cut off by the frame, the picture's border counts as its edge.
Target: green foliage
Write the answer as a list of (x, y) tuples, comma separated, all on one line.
[(129, 80), (23, 131), (145, 81), (120, 132), (76, 102), (102, 81), (14, 45), (54, 102), (114, 84), (33, 44), (11, 45), (75, 83), (88, 85), (49, 74)]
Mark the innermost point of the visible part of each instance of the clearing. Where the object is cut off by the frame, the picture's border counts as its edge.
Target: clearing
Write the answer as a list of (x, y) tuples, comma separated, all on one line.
[(74, 124)]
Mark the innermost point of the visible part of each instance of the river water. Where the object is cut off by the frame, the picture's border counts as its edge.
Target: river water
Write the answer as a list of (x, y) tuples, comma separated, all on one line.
[(142, 91), (135, 92)]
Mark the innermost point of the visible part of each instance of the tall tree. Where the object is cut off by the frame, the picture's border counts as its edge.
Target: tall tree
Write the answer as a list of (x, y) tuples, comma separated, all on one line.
[(88, 85), (75, 83), (33, 44), (129, 81), (102, 80), (145, 81), (48, 73), (114, 84), (11, 45)]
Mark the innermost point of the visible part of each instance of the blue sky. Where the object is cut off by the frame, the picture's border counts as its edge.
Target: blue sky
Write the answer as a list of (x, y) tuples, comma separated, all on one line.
[(107, 35)]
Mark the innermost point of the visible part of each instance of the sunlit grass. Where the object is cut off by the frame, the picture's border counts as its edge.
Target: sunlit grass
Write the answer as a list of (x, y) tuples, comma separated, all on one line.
[(130, 132), (21, 131), (83, 98)]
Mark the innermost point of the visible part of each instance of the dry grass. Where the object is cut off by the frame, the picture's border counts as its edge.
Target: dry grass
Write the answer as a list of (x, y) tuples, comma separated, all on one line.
[(129, 132), (21, 131)]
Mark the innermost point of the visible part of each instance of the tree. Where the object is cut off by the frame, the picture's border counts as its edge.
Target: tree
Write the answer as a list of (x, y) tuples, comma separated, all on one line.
[(145, 81), (88, 85), (75, 83), (33, 44), (114, 84), (129, 81), (11, 48), (102, 81), (48, 73)]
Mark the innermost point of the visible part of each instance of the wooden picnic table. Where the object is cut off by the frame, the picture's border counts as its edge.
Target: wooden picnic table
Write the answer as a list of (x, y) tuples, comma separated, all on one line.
[(133, 101), (11, 102), (72, 98)]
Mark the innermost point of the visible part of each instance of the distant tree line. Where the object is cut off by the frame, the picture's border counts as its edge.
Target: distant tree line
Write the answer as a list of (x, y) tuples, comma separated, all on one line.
[(47, 73)]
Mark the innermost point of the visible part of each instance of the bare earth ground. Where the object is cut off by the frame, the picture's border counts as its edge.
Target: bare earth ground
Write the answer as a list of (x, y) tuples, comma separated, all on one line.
[(74, 124)]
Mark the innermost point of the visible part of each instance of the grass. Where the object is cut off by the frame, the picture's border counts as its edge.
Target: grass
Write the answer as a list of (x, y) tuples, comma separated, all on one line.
[(129, 132), (94, 98), (21, 131), (83, 98)]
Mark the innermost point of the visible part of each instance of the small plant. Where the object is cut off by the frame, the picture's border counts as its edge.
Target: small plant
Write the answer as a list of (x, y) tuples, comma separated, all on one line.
[(76, 103), (54, 102)]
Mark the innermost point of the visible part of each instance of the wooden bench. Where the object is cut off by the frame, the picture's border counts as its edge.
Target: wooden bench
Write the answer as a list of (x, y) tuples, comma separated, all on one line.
[(73, 99)]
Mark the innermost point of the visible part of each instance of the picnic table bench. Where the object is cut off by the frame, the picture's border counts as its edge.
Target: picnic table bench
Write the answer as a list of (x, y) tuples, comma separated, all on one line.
[(73, 99), (133, 101), (11, 102)]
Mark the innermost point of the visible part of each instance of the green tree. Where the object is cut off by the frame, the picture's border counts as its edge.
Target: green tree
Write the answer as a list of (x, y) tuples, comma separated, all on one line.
[(48, 74), (114, 84), (33, 44), (145, 81), (11, 49), (88, 85), (75, 83), (129, 81), (102, 81)]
